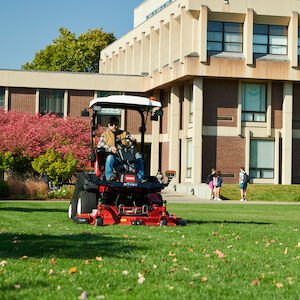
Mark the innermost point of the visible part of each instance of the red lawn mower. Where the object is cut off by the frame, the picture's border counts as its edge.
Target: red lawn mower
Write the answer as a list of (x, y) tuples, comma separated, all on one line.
[(125, 201)]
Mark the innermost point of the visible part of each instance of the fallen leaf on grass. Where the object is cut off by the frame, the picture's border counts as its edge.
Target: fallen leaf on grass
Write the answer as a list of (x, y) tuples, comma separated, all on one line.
[(72, 270), (174, 259), (141, 278), (3, 263), (99, 258), (204, 279), (286, 250), (125, 272), (255, 282), (24, 257), (53, 261), (196, 275), (154, 266), (219, 253), (279, 285), (171, 253), (51, 271), (237, 237), (17, 286), (83, 295)]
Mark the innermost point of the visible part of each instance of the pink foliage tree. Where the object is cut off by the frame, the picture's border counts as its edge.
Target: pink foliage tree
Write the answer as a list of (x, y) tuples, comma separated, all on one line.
[(31, 135)]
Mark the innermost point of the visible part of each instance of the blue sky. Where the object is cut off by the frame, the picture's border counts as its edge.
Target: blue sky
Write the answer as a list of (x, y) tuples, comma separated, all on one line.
[(27, 26)]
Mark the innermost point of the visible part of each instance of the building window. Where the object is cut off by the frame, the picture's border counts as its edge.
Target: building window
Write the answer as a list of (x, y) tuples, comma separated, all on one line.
[(262, 159), (298, 44), (2, 98), (270, 39), (191, 103), (224, 37), (254, 102), (189, 158), (51, 102)]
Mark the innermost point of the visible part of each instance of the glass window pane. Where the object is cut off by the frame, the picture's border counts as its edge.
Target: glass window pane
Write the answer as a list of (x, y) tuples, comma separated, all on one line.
[(214, 36), (214, 46), (298, 50), (262, 154), (278, 30), (279, 50), (2, 98), (260, 39), (51, 101), (260, 49), (189, 158), (278, 40), (298, 41), (260, 29), (247, 117), (233, 37), (254, 97), (233, 27), (267, 174), (258, 117), (231, 47), (214, 26)]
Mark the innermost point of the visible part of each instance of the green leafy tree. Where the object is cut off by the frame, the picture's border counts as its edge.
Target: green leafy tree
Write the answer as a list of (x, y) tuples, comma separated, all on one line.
[(68, 53), (55, 166)]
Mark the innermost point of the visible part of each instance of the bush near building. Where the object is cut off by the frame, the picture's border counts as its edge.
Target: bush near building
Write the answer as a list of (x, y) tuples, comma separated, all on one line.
[(32, 145)]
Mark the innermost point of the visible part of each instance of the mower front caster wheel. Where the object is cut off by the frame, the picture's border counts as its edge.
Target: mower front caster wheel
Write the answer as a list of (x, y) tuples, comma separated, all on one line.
[(99, 221), (163, 222)]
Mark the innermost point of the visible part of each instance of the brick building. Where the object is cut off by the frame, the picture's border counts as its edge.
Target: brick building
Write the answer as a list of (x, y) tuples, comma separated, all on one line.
[(226, 72)]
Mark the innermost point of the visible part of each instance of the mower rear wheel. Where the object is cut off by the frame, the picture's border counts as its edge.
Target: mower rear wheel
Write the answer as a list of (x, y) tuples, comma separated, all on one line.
[(87, 201), (70, 211)]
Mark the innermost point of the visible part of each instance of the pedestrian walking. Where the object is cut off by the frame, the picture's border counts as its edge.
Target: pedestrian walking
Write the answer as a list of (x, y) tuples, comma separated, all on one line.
[(244, 179)]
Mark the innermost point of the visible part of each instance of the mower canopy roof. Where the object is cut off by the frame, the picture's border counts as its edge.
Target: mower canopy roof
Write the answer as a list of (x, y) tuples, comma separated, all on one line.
[(124, 101)]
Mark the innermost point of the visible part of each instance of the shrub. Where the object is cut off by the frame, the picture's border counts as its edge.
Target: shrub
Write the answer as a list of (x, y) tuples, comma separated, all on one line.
[(37, 190), (64, 192), (4, 189), (55, 166)]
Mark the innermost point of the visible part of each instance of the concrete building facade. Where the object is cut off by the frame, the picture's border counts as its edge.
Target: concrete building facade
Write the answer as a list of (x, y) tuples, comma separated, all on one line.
[(226, 72)]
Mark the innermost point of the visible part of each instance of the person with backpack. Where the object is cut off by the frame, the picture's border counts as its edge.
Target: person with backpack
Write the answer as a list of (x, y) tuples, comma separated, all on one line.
[(210, 181), (244, 179), (218, 185)]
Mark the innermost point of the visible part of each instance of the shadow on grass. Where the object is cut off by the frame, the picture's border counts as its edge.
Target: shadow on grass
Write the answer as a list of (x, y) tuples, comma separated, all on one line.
[(81, 246), (228, 222), (33, 209)]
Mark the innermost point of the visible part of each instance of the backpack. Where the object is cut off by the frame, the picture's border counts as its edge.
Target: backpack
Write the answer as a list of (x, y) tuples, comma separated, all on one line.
[(246, 178), (208, 179)]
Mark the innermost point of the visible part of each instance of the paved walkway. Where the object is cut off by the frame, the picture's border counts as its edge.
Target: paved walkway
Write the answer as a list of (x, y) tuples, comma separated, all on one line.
[(173, 197)]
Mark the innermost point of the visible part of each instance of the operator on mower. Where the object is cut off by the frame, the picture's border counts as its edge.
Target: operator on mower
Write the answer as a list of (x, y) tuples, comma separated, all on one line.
[(108, 141)]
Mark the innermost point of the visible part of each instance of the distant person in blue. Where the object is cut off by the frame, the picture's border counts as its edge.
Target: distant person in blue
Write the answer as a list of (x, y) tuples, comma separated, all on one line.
[(243, 183)]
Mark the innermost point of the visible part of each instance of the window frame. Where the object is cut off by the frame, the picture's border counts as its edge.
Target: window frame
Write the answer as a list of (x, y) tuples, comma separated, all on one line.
[(189, 163), (224, 32), (2, 98), (254, 113), (253, 171), (268, 34), (48, 94)]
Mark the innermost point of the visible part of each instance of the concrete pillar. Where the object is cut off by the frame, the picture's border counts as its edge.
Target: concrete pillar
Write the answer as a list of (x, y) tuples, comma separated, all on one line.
[(287, 130), (145, 53), (197, 130), (203, 33), (174, 114), (154, 165), (248, 37), (293, 39), (186, 36), (269, 109), (6, 104), (66, 102), (37, 101)]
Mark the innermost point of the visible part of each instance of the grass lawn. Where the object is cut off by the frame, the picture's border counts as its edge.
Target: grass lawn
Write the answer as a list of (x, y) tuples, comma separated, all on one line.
[(225, 252), (264, 192)]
